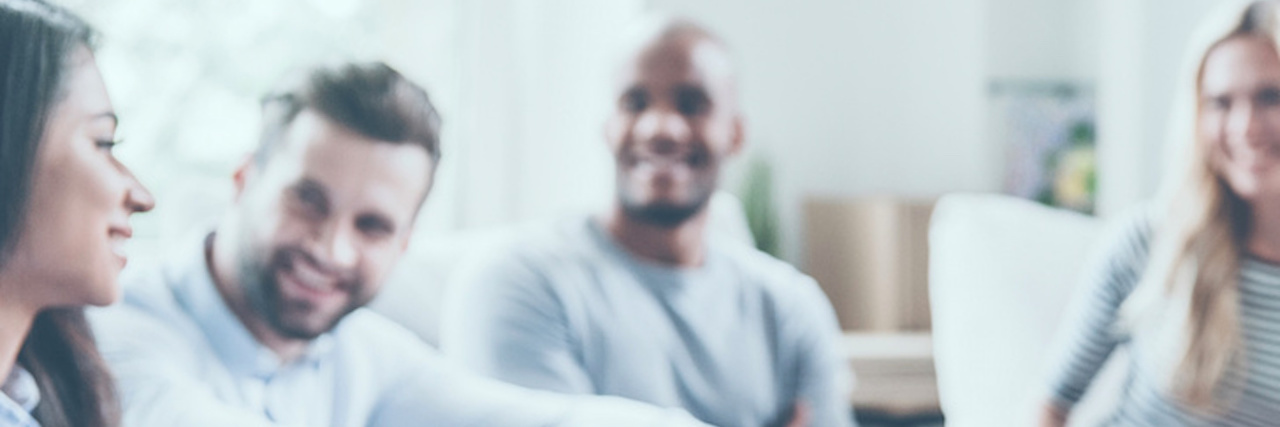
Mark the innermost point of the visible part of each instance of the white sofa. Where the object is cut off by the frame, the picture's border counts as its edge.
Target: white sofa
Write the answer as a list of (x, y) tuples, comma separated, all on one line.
[(1002, 271)]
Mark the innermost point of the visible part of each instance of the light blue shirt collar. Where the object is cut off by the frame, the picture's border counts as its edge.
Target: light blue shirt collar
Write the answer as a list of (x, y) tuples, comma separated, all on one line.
[(20, 396), (21, 388), (239, 351)]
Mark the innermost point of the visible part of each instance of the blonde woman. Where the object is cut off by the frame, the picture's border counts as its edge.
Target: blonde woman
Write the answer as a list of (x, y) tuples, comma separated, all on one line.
[(1191, 286)]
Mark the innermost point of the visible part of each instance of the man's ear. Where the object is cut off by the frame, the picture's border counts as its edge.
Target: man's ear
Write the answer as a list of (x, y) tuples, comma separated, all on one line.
[(245, 172), (739, 135), (404, 243), (611, 131)]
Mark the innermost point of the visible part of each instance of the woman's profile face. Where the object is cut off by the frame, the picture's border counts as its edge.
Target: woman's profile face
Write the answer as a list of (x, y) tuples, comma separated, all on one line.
[(70, 248), (1240, 114)]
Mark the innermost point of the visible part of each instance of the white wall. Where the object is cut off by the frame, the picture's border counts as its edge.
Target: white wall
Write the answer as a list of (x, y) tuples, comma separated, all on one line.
[(1041, 40), (523, 91), (859, 97), (848, 97), (532, 123), (1143, 45), (421, 40), (1132, 50)]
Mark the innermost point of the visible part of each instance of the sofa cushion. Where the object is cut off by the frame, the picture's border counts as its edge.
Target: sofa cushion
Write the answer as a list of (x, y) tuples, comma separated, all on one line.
[(1002, 271)]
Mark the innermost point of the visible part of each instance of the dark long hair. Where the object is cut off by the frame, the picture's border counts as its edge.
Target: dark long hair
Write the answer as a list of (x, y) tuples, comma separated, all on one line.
[(36, 42)]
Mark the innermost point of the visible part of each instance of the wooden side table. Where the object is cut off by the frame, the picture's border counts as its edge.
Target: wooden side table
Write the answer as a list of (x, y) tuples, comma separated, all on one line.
[(894, 373)]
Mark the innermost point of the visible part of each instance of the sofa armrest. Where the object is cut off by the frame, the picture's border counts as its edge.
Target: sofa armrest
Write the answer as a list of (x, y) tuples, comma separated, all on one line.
[(1001, 272)]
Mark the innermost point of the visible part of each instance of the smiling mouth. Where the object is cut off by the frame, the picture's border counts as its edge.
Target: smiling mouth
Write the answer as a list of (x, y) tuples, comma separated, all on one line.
[(1262, 158), (691, 159), (661, 162), (307, 279), (117, 237), (310, 278), (662, 170)]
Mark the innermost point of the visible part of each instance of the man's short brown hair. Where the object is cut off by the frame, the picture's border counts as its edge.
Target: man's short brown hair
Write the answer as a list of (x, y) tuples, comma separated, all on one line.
[(371, 99)]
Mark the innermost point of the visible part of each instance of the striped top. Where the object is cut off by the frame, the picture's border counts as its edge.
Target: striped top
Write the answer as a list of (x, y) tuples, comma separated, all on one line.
[(1094, 336)]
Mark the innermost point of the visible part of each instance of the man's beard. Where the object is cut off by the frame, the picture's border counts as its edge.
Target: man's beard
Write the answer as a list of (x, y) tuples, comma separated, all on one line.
[(704, 169), (665, 214), (261, 286)]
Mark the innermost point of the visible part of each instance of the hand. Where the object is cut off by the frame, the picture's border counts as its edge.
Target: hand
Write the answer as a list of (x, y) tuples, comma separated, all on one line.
[(1053, 416), (799, 416)]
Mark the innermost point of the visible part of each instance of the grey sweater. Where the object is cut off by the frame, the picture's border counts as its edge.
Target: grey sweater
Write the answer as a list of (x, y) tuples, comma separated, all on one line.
[(736, 342)]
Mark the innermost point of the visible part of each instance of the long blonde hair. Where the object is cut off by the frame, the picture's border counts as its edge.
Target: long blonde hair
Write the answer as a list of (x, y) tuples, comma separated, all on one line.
[(1189, 295)]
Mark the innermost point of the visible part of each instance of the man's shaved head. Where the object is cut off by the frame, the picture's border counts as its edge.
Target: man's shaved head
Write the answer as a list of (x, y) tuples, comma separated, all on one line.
[(659, 34), (676, 119)]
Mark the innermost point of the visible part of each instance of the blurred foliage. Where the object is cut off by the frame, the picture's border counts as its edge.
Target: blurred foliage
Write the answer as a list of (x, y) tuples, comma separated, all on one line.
[(760, 206), (1074, 184)]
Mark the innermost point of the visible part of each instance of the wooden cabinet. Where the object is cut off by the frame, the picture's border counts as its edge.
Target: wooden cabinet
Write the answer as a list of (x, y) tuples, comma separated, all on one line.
[(871, 257)]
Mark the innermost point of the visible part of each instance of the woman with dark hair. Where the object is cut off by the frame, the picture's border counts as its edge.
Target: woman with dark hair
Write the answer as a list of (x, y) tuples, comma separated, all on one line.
[(65, 202)]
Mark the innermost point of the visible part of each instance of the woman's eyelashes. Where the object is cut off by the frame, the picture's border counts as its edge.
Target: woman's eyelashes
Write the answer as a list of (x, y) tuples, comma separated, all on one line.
[(107, 144)]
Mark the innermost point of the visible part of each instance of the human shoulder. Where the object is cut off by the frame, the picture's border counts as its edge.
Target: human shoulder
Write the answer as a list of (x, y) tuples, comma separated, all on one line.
[(152, 288), (535, 252), (149, 288), (367, 330), (796, 309), (1126, 238), (777, 280), (549, 242), (147, 324), (147, 306), (772, 272), (1136, 224), (381, 353)]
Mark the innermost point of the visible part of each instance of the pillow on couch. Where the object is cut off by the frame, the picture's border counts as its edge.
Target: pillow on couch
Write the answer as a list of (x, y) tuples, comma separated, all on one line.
[(1002, 271)]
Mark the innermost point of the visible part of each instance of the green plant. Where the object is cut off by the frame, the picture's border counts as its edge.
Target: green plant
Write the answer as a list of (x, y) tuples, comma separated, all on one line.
[(1074, 183), (758, 204)]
